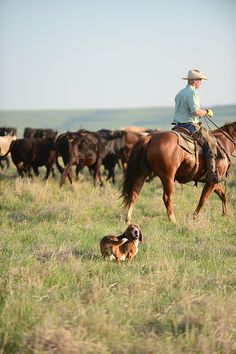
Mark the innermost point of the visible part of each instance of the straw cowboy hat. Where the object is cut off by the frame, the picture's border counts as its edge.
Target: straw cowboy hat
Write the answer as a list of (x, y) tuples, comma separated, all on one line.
[(194, 75)]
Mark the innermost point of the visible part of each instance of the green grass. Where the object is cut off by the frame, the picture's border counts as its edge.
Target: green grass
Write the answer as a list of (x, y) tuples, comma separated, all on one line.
[(57, 295)]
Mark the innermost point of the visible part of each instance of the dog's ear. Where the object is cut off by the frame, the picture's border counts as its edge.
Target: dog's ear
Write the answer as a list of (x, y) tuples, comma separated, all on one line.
[(127, 232), (141, 236)]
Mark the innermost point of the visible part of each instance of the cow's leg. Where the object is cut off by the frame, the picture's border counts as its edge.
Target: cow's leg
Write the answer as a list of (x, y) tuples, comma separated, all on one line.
[(53, 172), (19, 165), (20, 169), (221, 193), (26, 168), (36, 170), (66, 173), (70, 175), (207, 190), (4, 163), (111, 174), (97, 176), (7, 163), (97, 173), (78, 169), (63, 178), (48, 170)]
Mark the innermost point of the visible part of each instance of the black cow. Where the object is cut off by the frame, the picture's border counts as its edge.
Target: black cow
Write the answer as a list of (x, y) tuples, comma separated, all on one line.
[(27, 153), (80, 148), (29, 133), (67, 147), (85, 148), (39, 133), (112, 158)]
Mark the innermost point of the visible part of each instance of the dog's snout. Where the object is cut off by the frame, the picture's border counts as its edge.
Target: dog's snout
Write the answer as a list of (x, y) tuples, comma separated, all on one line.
[(136, 232)]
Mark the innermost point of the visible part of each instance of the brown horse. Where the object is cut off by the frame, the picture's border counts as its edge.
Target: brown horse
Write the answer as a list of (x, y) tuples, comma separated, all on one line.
[(160, 153)]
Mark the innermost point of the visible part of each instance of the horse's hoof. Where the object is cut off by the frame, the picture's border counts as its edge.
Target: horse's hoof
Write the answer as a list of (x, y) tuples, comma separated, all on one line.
[(128, 221), (172, 218)]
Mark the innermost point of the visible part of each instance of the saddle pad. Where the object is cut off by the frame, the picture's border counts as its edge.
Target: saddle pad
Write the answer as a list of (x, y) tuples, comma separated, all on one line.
[(186, 142)]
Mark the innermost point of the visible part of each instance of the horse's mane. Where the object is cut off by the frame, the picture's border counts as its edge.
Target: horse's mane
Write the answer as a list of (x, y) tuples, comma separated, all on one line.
[(229, 128)]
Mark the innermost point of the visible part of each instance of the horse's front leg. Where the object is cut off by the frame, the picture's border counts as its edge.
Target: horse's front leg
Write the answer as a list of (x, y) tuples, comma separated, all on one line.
[(221, 193), (168, 189), (207, 190)]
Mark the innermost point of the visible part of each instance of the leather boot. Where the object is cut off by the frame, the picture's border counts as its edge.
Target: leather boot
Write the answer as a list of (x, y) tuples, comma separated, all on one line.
[(212, 173)]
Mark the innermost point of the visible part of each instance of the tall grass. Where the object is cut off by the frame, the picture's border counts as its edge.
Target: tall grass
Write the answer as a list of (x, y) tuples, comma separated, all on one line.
[(57, 294)]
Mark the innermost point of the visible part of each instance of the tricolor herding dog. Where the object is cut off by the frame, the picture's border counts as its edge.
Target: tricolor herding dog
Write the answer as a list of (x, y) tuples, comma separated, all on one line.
[(124, 246)]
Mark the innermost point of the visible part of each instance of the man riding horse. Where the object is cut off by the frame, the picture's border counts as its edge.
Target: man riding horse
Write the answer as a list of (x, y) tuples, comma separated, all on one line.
[(187, 115)]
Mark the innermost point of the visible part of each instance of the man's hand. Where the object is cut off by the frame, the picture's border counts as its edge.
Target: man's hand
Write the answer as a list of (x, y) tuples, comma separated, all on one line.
[(210, 113)]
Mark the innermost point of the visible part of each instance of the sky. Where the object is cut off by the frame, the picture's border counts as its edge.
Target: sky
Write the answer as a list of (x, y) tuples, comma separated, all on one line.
[(79, 54)]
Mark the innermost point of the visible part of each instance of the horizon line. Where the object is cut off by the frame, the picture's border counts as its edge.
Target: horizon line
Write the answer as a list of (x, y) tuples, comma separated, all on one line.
[(99, 108)]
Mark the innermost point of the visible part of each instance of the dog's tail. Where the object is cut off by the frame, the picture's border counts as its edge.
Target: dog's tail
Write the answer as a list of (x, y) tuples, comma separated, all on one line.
[(118, 242)]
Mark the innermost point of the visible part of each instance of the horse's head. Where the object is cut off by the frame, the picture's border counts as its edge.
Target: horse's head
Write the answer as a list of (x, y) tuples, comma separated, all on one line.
[(231, 130), (227, 134)]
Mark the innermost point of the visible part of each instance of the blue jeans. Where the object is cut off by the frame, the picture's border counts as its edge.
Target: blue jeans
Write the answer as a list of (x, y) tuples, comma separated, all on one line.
[(188, 126)]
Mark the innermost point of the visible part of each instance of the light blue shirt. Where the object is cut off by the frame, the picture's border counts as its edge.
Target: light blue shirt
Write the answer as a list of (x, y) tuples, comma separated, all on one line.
[(186, 102)]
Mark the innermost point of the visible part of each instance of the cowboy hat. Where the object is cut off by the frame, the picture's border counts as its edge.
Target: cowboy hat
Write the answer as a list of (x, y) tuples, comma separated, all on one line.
[(194, 75)]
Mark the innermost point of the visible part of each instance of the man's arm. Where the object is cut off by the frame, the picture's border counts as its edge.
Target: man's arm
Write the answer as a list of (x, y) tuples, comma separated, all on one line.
[(200, 112), (204, 112)]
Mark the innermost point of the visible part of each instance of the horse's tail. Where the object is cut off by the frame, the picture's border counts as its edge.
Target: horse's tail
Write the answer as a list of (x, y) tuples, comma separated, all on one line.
[(137, 165)]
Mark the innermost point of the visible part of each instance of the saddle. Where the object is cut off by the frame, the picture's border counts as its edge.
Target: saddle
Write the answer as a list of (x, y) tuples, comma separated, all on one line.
[(186, 141)]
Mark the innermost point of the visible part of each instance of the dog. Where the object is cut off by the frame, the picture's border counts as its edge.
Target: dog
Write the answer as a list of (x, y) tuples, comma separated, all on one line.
[(124, 246)]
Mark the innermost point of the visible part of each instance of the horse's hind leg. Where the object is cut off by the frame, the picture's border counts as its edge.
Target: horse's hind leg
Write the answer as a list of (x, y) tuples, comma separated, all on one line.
[(168, 189), (134, 195), (221, 193), (207, 190)]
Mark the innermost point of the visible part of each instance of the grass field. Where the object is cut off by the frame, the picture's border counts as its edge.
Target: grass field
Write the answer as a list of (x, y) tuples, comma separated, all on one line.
[(57, 295)]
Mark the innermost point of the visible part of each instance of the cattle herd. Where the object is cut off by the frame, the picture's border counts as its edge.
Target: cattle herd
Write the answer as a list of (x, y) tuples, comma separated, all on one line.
[(45, 147)]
